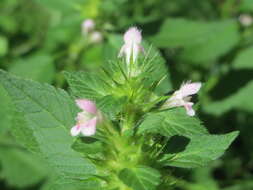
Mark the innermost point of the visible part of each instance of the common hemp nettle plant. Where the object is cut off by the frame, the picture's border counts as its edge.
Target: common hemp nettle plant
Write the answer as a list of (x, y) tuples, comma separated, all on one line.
[(117, 130)]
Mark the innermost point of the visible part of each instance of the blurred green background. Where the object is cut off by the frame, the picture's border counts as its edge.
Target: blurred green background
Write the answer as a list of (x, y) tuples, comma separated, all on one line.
[(201, 40)]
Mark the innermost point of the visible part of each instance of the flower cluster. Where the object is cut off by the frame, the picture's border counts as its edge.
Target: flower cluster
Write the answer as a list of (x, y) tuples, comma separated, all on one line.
[(89, 117), (88, 29)]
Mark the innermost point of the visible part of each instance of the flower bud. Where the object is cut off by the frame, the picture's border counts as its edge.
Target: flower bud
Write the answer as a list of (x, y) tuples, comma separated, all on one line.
[(245, 19), (132, 45), (96, 37), (87, 26)]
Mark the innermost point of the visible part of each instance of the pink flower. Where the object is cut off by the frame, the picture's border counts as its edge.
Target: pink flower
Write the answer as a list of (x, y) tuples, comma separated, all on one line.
[(132, 44), (87, 26), (87, 119), (182, 97)]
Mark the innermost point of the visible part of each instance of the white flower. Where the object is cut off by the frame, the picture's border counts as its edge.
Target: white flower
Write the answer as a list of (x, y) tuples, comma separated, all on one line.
[(96, 37), (132, 44), (246, 19), (182, 97), (87, 26)]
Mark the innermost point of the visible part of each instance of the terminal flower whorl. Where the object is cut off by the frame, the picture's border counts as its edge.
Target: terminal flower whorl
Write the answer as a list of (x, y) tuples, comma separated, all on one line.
[(182, 97), (86, 119), (132, 44)]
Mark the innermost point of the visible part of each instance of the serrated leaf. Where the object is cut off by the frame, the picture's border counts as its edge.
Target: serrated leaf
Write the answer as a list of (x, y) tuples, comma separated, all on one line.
[(140, 178), (201, 150), (14, 160), (86, 85), (172, 122), (68, 184), (160, 69), (92, 86), (20, 130), (244, 59), (6, 111), (86, 146), (111, 106), (49, 113), (35, 68)]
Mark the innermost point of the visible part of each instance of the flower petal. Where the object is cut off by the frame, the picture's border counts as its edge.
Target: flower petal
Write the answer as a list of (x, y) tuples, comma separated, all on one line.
[(189, 110), (96, 37), (87, 105), (88, 25), (190, 88), (89, 128), (173, 102), (75, 130), (122, 51), (132, 35)]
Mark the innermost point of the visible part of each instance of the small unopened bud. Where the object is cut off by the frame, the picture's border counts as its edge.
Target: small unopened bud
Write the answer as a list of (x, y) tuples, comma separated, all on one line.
[(96, 37), (245, 19), (87, 26)]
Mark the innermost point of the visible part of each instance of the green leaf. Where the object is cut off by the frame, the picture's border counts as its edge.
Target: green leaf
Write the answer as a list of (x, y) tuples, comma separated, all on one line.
[(172, 122), (60, 5), (93, 86), (86, 146), (180, 33), (63, 30), (140, 178), (49, 113), (21, 130), (239, 100), (6, 111), (201, 41), (246, 5), (3, 46), (218, 44), (111, 106), (245, 184), (244, 59), (86, 85), (204, 179), (112, 47), (68, 184), (201, 150), (14, 161), (159, 69), (35, 68)]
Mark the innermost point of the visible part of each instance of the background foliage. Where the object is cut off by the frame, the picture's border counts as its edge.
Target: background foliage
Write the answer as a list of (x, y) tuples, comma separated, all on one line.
[(201, 40)]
